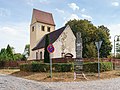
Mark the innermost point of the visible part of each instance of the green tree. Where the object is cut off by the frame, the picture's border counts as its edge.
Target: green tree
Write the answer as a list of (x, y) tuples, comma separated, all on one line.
[(91, 51), (3, 54), (104, 35), (9, 51), (91, 34), (27, 50), (46, 53), (18, 56)]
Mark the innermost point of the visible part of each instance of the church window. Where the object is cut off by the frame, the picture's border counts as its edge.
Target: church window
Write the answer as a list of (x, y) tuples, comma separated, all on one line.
[(36, 55), (43, 28), (40, 55), (48, 29), (33, 28)]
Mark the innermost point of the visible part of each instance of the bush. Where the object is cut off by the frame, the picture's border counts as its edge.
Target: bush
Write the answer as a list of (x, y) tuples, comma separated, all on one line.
[(45, 67), (63, 67), (93, 66), (25, 67)]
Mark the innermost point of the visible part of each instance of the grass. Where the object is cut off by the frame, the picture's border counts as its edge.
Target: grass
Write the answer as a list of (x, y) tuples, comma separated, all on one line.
[(64, 76)]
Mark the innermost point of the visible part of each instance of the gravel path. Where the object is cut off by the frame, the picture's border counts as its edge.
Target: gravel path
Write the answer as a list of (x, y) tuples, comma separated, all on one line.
[(8, 82)]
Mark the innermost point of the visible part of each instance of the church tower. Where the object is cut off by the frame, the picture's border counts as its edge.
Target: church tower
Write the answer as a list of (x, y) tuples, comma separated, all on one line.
[(41, 24)]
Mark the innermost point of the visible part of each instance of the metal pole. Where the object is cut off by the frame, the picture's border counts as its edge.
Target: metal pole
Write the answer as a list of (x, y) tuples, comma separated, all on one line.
[(98, 66), (50, 66)]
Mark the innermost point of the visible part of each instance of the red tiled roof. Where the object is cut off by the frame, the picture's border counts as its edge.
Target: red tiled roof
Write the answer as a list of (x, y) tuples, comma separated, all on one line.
[(43, 17)]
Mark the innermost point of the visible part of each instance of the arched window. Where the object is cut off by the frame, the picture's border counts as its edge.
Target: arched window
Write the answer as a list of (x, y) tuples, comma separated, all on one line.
[(36, 55), (33, 28), (40, 55), (43, 28)]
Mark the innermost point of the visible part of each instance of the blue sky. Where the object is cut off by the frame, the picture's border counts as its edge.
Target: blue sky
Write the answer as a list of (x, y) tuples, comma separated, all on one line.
[(15, 17)]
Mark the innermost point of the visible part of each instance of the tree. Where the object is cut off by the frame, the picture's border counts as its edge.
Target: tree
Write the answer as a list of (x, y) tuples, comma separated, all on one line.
[(46, 53), (91, 51), (3, 54), (104, 35), (9, 52), (18, 56), (27, 50), (91, 34)]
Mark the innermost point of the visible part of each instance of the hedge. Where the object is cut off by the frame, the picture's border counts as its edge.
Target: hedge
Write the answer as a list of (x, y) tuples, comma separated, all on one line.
[(45, 67), (93, 66), (65, 67)]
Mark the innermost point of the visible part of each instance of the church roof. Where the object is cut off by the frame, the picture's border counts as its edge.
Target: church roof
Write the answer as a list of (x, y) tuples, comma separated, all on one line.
[(53, 37), (43, 17)]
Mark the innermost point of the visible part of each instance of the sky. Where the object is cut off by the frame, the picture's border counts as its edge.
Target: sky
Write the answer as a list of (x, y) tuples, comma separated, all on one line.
[(15, 17)]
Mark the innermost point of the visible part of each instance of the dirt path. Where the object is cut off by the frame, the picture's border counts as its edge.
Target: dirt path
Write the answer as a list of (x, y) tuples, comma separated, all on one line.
[(8, 82)]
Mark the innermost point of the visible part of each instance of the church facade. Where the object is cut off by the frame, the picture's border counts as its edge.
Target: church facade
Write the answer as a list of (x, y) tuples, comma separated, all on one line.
[(62, 39)]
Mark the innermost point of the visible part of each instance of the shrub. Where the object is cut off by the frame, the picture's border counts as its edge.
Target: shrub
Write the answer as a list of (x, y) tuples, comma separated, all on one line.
[(25, 67), (63, 67), (45, 67), (93, 66), (106, 66)]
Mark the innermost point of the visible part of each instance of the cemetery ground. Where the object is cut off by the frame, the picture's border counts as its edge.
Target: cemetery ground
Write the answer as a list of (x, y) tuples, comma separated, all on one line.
[(61, 76)]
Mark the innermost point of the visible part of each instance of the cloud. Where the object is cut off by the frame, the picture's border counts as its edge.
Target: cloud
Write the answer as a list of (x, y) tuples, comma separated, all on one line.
[(115, 4), (30, 2), (71, 17), (44, 1), (86, 17), (17, 35), (73, 6), (83, 10), (4, 12), (60, 11)]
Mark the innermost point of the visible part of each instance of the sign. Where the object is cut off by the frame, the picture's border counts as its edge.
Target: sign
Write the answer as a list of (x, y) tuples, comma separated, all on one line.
[(98, 44), (50, 48)]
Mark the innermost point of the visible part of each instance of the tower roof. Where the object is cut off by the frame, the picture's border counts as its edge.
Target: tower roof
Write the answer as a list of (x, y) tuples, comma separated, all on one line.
[(43, 17)]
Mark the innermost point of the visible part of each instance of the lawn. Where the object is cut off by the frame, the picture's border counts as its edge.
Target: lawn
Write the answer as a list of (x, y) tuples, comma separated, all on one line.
[(66, 76)]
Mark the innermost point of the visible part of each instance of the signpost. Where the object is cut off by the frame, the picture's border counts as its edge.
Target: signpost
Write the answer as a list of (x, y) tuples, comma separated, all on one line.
[(98, 45), (50, 49)]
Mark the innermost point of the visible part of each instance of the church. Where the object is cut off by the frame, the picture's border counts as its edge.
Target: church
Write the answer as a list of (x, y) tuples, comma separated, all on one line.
[(63, 39)]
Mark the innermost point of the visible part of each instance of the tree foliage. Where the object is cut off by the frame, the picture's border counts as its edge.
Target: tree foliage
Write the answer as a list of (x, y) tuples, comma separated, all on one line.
[(9, 55), (27, 50), (46, 53), (91, 34)]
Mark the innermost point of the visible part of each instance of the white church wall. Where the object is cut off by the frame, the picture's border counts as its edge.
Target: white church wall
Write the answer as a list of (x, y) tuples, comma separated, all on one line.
[(65, 44)]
